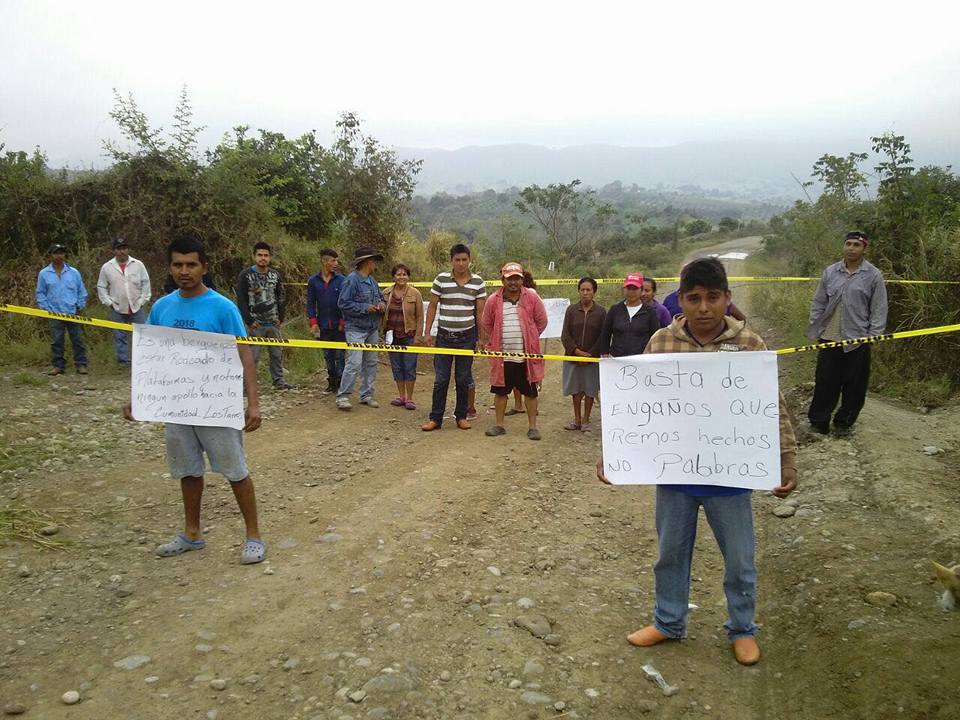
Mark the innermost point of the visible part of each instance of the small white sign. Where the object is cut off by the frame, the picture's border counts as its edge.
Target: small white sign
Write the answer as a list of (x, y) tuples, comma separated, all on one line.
[(691, 418), (186, 377), (556, 308)]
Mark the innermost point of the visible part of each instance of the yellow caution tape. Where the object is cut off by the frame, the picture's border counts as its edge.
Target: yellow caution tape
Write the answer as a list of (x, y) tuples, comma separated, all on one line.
[(423, 350), (731, 278), (298, 343), (872, 339)]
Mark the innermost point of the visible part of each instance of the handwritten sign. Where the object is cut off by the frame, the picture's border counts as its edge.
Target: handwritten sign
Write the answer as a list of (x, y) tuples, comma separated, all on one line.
[(186, 377), (691, 418), (556, 309), (433, 330)]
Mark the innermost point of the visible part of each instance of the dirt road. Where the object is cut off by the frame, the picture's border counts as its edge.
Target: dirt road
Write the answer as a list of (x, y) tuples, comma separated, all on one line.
[(453, 575)]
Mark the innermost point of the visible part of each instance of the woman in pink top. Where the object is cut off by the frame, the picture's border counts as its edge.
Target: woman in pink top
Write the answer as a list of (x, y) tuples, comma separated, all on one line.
[(512, 321)]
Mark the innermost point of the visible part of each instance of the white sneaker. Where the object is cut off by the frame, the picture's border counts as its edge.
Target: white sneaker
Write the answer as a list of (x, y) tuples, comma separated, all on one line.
[(370, 403), (343, 403)]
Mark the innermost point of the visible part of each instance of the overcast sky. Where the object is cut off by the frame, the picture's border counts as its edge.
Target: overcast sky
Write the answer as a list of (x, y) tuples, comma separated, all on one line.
[(448, 74)]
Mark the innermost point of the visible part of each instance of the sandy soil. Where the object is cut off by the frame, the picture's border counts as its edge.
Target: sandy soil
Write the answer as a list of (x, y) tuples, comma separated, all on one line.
[(403, 568)]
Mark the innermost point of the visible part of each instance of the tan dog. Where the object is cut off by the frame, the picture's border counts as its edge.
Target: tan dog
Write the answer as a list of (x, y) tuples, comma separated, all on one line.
[(950, 579)]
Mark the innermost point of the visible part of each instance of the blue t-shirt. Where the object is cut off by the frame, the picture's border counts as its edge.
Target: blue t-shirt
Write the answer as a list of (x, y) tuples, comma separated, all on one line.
[(209, 312)]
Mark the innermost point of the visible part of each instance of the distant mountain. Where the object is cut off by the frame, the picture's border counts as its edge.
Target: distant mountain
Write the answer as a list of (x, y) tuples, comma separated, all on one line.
[(747, 169)]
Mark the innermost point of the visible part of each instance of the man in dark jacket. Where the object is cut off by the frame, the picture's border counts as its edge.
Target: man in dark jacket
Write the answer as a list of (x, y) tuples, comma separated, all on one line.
[(262, 298), (326, 320)]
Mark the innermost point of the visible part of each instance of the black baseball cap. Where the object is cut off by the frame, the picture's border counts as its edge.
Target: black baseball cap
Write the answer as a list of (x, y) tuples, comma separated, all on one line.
[(120, 242), (55, 248)]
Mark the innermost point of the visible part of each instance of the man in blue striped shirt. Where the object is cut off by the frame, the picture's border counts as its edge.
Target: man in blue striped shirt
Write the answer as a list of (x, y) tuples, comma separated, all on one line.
[(456, 302)]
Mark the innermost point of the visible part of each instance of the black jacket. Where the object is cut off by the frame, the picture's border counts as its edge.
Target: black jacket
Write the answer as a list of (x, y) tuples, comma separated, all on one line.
[(623, 335)]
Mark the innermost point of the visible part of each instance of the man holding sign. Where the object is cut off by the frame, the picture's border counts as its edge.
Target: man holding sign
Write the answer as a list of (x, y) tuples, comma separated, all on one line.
[(196, 307), (730, 451)]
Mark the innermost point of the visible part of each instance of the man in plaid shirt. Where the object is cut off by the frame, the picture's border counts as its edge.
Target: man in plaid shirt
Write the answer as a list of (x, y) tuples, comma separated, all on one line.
[(704, 327)]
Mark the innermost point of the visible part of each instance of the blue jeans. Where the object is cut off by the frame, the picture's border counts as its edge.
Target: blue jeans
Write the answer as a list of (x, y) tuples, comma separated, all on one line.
[(333, 358), (442, 364), (362, 362), (276, 352), (731, 520), (57, 330), (121, 338), (404, 365)]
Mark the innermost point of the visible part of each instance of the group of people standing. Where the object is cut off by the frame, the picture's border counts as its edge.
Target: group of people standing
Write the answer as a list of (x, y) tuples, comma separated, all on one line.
[(850, 299), (509, 320)]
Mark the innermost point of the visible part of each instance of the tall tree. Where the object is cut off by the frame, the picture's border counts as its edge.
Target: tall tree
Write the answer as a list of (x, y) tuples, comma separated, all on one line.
[(841, 176), (573, 221)]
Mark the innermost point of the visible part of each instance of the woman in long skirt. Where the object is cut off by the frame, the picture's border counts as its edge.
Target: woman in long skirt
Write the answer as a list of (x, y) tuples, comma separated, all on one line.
[(582, 325)]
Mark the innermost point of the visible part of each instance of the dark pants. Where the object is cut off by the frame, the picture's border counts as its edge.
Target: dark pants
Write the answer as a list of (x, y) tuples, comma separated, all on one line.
[(57, 330), (333, 358), (442, 364), (840, 376)]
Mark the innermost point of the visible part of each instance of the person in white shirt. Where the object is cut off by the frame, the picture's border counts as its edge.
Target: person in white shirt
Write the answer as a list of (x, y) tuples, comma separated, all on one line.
[(124, 286)]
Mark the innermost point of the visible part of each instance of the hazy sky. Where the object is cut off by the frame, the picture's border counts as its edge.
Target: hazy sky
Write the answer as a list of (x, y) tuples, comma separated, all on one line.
[(447, 74)]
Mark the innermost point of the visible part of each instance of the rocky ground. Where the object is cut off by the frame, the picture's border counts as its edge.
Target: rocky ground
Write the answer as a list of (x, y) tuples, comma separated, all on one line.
[(453, 575)]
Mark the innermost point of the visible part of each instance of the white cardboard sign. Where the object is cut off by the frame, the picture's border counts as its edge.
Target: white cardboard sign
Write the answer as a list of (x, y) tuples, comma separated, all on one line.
[(556, 308), (691, 418), (186, 377)]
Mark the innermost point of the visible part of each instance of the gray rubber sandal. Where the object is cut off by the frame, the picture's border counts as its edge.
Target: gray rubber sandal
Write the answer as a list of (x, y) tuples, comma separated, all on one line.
[(496, 430), (254, 551), (179, 545)]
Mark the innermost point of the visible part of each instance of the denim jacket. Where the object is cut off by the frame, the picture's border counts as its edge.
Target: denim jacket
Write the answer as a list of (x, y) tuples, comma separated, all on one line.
[(357, 294)]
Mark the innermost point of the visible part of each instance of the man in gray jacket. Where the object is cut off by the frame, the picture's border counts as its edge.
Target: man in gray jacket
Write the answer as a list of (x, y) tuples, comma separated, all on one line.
[(850, 302)]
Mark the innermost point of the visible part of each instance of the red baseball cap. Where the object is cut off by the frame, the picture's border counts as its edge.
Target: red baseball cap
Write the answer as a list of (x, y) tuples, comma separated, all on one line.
[(635, 279), (511, 268)]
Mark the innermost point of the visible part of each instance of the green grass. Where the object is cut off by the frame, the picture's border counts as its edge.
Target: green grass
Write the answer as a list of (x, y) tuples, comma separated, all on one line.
[(27, 379)]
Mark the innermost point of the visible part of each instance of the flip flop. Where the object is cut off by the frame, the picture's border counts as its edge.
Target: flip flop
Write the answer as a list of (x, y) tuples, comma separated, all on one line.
[(179, 545), (572, 425), (254, 551), (410, 405), (513, 411), (398, 402)]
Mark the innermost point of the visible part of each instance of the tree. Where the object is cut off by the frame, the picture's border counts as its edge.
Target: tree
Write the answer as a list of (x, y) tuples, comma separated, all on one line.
[(569, 218), (897, 164), (369, 188), (697, 226), (841, 177), (728, 224)]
